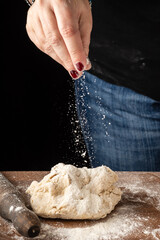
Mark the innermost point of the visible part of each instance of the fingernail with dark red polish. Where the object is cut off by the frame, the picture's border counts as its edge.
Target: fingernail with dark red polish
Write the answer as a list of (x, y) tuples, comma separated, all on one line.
[(74, 74), (79, 66)]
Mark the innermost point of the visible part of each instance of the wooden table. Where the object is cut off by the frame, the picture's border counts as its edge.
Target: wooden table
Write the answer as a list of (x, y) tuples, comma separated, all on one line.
[(136, 217)]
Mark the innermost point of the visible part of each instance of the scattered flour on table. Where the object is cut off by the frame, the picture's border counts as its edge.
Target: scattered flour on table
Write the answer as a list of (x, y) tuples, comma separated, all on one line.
[(137, 189), (118, 226), (111, 229)]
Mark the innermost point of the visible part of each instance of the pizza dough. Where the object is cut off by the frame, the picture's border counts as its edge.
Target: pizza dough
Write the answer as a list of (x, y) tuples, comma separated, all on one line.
[(69, 192)]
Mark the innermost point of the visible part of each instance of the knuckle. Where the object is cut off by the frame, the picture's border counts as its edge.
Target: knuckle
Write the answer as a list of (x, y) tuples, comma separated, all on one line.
[(86, 44), (68, 31), (48, 48), (41, 40), (53, 40), (86, 50), (75, 53), (68, 63), (41, 44)]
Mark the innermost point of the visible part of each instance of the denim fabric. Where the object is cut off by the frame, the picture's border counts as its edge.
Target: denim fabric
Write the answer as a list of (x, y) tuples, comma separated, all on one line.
[(121, 128)]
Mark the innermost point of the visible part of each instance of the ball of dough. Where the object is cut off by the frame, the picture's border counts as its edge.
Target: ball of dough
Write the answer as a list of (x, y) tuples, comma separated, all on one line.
[(69, 192)]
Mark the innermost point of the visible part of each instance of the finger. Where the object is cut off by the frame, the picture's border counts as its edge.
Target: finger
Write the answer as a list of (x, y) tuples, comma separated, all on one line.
[(40, 39), (67, 22), (36, 38), (85, 26), (54, 42), (37, 26)]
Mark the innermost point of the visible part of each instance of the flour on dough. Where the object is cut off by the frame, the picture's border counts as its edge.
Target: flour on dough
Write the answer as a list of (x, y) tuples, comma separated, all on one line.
[(69, 192)]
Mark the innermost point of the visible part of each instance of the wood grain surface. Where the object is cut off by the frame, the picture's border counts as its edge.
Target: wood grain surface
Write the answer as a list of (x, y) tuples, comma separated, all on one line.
[(137, 216)]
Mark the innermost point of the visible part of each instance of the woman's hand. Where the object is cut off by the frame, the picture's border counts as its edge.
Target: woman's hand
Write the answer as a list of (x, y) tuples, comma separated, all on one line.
[(61, 29)]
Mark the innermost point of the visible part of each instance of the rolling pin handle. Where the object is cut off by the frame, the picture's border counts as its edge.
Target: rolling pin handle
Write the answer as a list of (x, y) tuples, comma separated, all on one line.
[(26, 223), (12, 207)]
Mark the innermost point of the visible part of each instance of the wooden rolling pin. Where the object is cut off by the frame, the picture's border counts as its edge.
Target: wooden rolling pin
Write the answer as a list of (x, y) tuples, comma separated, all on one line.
[(12, 207)]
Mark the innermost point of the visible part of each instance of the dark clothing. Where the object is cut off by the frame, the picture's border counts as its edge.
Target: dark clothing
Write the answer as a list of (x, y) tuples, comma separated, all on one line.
[(125, 44)]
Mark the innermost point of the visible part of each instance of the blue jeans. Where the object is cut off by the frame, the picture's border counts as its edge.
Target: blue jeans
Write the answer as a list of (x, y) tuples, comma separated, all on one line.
[(121, 128)]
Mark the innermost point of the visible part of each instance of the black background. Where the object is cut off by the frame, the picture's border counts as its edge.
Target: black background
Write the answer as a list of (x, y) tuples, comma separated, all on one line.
[(38, 102)]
